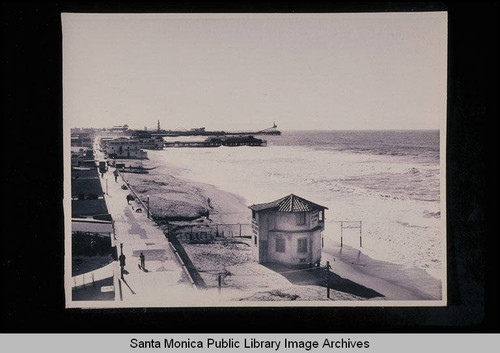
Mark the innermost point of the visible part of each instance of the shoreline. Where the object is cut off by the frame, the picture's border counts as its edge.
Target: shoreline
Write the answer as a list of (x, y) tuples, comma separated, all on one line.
[(165, 189), (227, 207), (402, 230), (245, 279)]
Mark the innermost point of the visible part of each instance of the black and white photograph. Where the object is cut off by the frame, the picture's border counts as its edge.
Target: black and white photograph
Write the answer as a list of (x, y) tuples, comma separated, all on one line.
[(194, 176), (254, 159)]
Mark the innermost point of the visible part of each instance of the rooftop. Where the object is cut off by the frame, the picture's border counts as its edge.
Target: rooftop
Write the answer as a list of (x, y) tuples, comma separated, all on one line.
[(84, 173), (86, 187), (85, 208), (91, 226), (290, 203)]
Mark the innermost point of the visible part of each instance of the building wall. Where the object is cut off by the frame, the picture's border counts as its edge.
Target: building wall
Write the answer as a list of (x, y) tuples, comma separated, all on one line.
[(262, 219), (255, 240), (129, 149), (151, 143), (262, 223), (267, 226), (291, 256)]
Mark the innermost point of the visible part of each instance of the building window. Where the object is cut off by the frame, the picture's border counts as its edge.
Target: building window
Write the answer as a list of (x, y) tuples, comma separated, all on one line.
[(302, 245), (253, 214), (320, 216), (280, 245), (301, 218), (255, 240)]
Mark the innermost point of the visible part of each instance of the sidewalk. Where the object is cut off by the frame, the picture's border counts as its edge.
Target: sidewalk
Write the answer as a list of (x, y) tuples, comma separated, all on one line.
[(163, 282)]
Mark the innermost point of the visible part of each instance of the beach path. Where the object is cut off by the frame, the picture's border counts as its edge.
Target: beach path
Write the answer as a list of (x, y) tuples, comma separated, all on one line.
[(393, 281), (162, 281)]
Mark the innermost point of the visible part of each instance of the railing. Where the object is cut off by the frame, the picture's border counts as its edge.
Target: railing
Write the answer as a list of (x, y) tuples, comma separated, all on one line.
[(79, 281), (227, 230)]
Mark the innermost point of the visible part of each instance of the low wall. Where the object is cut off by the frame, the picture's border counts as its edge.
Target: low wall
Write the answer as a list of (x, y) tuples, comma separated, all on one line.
[(193, 272), (178, 248)]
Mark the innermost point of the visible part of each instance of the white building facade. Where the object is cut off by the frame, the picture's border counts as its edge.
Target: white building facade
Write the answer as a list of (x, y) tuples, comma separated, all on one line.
[(288, 231)]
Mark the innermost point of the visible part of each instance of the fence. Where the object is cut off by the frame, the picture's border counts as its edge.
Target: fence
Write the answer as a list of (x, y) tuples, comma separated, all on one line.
[(208, 233)]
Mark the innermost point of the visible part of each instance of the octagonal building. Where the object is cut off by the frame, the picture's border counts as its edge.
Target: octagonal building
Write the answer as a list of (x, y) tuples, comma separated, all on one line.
[(288, 231)]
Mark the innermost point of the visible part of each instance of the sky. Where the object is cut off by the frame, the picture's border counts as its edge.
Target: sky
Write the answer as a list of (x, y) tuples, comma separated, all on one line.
[(339, 71)]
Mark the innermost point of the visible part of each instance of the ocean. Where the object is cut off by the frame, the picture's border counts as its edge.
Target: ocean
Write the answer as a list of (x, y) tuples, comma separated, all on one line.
[(388, 180)]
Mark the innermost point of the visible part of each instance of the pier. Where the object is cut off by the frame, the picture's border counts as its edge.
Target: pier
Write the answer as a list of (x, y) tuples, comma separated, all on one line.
[(217, 142), (273, 130)]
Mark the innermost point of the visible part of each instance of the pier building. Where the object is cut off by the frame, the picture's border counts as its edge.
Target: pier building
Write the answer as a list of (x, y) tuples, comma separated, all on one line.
[(123, 147)]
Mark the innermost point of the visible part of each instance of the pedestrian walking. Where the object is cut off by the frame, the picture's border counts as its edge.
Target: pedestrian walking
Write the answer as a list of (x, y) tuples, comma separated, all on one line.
[(143, 261), (115, 173)]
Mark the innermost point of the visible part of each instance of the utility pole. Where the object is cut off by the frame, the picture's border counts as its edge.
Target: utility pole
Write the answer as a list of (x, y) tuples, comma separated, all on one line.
[(341, 233), (122, 260), (148, 208), (360, 235), (328, 279)]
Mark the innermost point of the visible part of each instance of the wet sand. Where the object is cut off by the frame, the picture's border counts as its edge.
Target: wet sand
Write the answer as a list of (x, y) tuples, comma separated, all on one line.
[(356, 275), (393, 281)]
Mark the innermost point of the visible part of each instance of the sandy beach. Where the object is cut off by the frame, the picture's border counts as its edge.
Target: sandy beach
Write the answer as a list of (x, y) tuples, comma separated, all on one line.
[(192, 208), (182, 202)]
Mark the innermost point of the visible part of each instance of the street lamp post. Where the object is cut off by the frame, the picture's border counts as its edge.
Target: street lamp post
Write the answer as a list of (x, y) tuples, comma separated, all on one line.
[(122, 261)]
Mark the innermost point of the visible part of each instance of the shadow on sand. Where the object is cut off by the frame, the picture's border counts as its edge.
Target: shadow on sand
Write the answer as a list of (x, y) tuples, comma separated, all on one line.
[(317, 276)]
